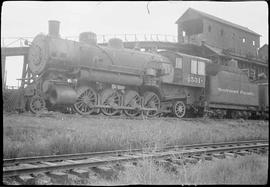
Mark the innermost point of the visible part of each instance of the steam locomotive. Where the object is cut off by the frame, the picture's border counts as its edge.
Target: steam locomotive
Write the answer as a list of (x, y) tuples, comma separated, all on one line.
[(112, 79)]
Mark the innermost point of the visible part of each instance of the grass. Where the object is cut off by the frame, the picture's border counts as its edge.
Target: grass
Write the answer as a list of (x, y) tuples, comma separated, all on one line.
[(25, 135), (251, 169)]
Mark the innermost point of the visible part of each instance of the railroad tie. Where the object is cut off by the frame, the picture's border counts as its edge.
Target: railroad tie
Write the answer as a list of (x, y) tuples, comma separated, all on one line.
[(104, 171), (207, 157), (128, 165), (230, 155), (219, 155), (198, 157), (48, 163), (80, 173), (58, 177), (243, 153), (178, 161), (72, 161), (257, 151), (190, 160), (25, 179)]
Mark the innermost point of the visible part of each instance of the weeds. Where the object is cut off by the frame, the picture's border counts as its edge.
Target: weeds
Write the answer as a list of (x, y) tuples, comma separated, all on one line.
[(244, 170), (31, 136)]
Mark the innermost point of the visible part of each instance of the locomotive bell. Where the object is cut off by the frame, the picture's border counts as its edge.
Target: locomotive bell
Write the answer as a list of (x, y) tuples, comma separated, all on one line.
[(54, 27), (88, 37)]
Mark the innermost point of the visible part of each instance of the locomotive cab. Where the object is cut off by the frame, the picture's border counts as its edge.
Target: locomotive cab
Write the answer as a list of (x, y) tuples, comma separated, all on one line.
[(187, 70), (183, 87)]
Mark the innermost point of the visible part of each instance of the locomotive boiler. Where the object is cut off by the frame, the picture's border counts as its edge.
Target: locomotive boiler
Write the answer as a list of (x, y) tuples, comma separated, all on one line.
[(92, 77)]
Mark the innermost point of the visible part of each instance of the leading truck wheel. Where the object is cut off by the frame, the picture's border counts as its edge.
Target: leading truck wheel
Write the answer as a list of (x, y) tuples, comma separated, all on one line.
[(151, 100), (179, 109), (36, 104), (86, 98)]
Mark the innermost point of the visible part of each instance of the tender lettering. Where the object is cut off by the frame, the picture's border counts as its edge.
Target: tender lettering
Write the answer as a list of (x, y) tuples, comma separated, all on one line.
[(240, 92)]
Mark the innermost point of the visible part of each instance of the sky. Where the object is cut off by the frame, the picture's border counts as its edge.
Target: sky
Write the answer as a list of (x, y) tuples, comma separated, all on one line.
[(27, 19)]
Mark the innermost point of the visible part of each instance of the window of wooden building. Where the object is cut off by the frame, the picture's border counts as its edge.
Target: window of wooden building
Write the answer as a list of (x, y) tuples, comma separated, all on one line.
[(184, 33), (221, 32), (209, 28), (178, 63)]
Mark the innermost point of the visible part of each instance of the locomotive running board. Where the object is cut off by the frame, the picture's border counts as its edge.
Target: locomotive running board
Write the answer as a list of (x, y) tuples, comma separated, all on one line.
[(123, 107)]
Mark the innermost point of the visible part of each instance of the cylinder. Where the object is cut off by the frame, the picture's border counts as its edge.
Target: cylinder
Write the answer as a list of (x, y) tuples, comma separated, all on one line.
[(61, 94), (54, 27), (88, 37)]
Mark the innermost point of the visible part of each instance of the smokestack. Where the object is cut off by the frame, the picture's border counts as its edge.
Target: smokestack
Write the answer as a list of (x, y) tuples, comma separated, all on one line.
[(54, 27)]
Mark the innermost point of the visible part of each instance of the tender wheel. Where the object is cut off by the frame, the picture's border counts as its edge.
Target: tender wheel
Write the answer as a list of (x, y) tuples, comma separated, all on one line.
[(112, 98), (179, 109), (87, 97), (151, 100), (36, 104), (132, 99)]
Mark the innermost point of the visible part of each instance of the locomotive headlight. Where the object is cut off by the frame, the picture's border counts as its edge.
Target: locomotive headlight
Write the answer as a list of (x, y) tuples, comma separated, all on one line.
[(69, 81)]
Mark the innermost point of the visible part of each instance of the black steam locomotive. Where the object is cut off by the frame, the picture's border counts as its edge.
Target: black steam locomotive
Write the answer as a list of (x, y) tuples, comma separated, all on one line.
[(90, 78)]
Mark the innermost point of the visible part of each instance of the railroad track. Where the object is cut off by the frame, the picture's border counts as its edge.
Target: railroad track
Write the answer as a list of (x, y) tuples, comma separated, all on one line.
[(24, 169)]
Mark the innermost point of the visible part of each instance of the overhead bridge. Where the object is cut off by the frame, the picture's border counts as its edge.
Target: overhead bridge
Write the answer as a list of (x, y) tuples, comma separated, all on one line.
[(14, 51)]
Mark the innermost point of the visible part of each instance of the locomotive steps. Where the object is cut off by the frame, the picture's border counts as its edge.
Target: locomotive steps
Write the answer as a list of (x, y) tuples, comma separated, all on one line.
[(60, 167)]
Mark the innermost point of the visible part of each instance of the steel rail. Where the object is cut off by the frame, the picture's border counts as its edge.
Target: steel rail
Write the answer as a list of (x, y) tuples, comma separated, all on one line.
[(93, 162), (13, 161)]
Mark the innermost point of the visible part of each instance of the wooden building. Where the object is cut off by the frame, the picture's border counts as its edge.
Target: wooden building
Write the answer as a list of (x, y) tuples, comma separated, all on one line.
[(221, 40), (263, 52)]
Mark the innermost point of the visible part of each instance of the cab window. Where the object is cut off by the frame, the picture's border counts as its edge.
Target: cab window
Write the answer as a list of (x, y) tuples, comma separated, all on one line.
[(201, 68), (193, 68), (178, 63)]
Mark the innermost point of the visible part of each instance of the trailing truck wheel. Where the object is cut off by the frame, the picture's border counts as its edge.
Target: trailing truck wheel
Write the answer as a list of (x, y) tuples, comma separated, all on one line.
[(112, 98), (87, 97), (151, 100), (179, 109), (36, 104), (132, 99)]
